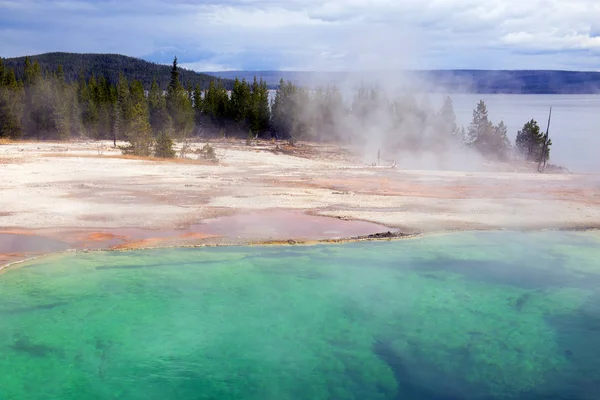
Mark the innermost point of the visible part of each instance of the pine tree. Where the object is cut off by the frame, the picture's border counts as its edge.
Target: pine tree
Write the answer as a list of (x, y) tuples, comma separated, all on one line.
[(530, 142), (104, 99), (264, 110), (117, 122), (62, 105), (197, 104), (258, 111), (179, 104), (483, 135), (284, 111), (60, 75), (448, 119), (174, 83), (240, 102), (502, 147), (123, 109), (32, 72), (139, 132), (164, 146), (480, 128), (11, 104), (159, 117), (216, 104), (290, 112)]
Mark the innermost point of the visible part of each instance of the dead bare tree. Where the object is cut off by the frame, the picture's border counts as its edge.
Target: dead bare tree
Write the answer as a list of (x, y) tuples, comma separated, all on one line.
[(544, 154)]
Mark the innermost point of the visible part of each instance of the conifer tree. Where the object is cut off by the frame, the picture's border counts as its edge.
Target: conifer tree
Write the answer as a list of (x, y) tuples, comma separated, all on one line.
[(502, 147), (239, 103), (179, 104), (490, 140), (123, 108), (282, 113), (117, 122), (164, 146), (216, 104), (62, 105), (529, 143), (32, 72), (260, 112), (480, 128), (159, 117), (198, 105), (11, 104), (139, 132), (448, 118), (174, 83)]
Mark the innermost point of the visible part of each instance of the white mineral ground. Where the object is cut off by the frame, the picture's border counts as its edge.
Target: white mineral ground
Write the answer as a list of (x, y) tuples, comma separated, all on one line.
[(56, 189)]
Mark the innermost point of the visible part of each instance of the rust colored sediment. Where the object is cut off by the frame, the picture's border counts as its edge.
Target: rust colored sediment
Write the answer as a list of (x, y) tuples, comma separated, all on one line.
[(196, 235), (18, 232), (102, 236), (258, 227), (150, 242), (134, 158)]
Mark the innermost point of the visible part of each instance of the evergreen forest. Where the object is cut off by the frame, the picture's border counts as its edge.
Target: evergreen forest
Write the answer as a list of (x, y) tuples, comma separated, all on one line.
[(43, 104)]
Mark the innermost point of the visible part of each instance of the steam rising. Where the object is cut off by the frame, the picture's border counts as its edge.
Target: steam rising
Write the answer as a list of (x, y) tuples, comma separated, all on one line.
[(388, 119)]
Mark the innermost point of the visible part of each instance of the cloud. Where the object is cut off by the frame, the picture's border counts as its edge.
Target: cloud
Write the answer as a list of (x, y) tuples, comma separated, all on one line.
[(311, 34)]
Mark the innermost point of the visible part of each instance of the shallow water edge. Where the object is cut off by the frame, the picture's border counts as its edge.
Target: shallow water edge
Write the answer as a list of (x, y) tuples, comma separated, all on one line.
[(227, 242)]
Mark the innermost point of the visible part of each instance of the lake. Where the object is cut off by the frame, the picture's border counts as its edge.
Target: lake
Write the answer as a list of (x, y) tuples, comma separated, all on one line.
[(574, 130), (495, 315)]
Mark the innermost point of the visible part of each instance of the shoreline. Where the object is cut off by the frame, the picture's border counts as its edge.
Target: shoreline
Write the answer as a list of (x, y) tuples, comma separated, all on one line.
[(86, 195), (381, 237)]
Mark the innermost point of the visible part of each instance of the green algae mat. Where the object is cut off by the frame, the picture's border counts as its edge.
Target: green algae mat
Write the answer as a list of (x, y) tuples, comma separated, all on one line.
[(498, 315)]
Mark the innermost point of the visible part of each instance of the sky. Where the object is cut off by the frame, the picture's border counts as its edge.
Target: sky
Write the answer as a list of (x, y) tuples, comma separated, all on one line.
[(217, 35)]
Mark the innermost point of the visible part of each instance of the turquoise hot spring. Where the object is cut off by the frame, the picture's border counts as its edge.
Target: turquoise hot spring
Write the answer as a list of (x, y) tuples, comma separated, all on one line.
[(471, 315)]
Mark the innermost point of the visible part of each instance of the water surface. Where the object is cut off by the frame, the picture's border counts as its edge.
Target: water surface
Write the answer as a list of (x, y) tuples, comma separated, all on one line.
[(462, 316), (573, 130)]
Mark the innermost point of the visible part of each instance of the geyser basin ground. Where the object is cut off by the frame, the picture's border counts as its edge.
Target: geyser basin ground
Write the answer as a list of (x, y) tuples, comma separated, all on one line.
[(497, 315)]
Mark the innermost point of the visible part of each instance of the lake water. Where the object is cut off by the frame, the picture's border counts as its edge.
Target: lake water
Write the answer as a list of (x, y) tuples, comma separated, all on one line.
[(574, 129), (497, 315)]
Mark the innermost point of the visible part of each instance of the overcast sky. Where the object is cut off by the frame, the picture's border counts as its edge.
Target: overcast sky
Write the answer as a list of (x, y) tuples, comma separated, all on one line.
[(313, 34)]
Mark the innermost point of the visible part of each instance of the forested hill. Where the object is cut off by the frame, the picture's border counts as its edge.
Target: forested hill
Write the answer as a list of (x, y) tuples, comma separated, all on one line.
[(109, 66), (457, 81), (473, 81)]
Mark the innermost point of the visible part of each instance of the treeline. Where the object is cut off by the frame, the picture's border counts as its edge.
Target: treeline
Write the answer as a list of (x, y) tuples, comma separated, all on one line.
[(43, 105), (491, 140)]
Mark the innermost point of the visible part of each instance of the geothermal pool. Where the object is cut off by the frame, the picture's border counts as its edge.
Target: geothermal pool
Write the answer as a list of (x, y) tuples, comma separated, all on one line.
[(497, 315)]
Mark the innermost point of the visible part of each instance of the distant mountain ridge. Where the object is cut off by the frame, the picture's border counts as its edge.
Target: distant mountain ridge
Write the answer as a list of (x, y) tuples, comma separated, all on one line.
[(471, 81), (110, 65)]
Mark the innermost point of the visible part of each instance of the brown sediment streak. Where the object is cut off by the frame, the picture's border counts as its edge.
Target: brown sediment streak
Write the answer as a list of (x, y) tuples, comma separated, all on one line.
[(150, 242), (190, 238), (17, 232), (102, 236), (134, 158), (197, 235)]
